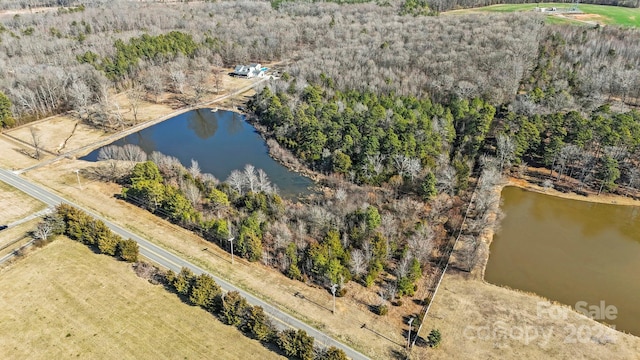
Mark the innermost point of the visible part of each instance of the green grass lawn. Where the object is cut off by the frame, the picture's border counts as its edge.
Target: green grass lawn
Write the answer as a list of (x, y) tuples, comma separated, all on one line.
[(611, 15)]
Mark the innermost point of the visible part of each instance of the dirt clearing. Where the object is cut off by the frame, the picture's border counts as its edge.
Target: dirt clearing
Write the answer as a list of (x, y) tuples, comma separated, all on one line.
[(64, 301)]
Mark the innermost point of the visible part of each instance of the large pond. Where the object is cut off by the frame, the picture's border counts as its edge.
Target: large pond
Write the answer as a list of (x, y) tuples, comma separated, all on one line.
[(570, 251), (220, 141)]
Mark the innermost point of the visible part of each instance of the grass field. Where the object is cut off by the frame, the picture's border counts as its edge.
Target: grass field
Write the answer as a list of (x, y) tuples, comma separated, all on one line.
[(63, 301), (483, 321), (609, 15), (15, 205)]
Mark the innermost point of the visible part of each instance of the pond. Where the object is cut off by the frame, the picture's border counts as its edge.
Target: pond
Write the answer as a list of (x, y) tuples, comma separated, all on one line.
[(220, 141), (570, 251)]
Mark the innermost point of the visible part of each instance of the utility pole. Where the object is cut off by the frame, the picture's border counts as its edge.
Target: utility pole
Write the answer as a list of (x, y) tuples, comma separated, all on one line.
[(334, 287), (409, 335), (78, 177), (231, 241)]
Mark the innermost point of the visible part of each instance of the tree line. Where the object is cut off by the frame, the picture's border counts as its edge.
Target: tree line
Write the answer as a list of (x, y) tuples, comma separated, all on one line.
[(45, 80), (401, 141), (82, 227), (600, 150), (582, 69), (232, 309)]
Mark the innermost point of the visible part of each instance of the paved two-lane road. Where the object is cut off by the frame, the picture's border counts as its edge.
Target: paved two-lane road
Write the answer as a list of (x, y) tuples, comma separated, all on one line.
[(173, 262)]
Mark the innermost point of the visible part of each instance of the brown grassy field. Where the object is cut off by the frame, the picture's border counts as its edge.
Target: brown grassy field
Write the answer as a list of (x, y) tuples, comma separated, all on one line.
[(15, 205), (483, 321), (64, 301), (13, 157), (58, 134)]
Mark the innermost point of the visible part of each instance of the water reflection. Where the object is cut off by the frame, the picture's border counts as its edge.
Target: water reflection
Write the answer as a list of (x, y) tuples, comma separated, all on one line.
[(204, 128), (147, 143), (235, 125)]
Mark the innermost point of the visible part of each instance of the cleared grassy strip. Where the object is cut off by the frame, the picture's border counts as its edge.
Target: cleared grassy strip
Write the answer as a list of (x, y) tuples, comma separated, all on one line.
[(14, 237), (610, 15), (483, 321), (556, 20), (64, 301)]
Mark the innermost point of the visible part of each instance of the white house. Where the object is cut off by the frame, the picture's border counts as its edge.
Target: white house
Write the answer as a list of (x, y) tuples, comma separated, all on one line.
[(251, 70)]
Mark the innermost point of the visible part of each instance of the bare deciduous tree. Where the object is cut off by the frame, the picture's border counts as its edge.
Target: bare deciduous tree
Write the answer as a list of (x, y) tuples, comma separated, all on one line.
[(250, 177), (358, 262), (179, 80), (135, 96), (469, 252), (402, 267), (446, 180), (506, 150), (80, 95), (236, 181), (263, 183), (421, 243), (197, 81), (43, 231), (194, 169), (191, 192), (36, 142), (216, 61), (153, 82), (133, 153)]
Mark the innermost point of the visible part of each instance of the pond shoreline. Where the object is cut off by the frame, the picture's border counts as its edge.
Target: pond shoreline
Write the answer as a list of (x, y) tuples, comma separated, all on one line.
[(282, 155), (604, 198)]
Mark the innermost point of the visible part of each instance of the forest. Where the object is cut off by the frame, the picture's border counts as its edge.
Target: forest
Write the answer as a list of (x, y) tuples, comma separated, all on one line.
[(74, 60)]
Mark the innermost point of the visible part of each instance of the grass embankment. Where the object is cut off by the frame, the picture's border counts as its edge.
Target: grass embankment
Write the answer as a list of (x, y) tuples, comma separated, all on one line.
[(483, 321), (64, 301), (608, 15)]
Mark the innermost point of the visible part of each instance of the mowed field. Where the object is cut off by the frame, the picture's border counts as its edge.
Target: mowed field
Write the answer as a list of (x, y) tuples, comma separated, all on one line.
[(609, 15), (63, 301)]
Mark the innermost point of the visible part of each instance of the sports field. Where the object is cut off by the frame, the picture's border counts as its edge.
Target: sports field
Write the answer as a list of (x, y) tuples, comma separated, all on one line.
[(606, 15)]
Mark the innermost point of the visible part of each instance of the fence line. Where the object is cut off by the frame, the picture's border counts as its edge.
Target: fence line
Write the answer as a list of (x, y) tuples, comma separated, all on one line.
[(441, 270)]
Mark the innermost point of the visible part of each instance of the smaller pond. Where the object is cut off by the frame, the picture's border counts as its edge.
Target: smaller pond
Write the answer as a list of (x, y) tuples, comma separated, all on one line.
[(570, 251), (220, 141)]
